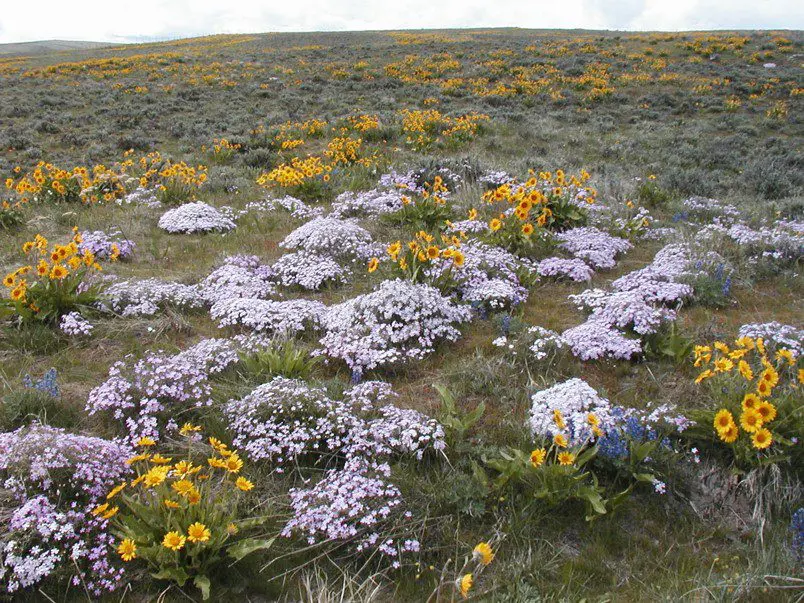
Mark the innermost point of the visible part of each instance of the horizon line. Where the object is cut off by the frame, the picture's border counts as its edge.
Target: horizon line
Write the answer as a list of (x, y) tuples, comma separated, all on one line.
[(133, 41)]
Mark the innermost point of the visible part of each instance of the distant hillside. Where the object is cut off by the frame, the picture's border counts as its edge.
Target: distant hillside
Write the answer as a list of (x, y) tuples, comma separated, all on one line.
[(47, 46)]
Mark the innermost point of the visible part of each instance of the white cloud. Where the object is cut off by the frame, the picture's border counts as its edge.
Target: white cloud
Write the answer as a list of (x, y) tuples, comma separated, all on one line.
[(158, 19)]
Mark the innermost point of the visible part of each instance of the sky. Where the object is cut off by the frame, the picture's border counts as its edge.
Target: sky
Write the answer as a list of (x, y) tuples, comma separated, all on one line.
[(147, 20)]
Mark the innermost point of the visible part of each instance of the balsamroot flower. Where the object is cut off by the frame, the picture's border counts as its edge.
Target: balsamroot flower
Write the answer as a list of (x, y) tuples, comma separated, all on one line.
[(127, 549), (483, 553), (173, 541), (198, 532)]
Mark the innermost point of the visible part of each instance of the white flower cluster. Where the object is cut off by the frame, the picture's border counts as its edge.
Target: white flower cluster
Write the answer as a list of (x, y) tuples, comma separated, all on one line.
[(575, 400), (348, 504), (296, 207), (706, 209), (574, 269), (367, 204), (776, 335), (308, 270), (279, 317), (658, 281), (398, 321), (782, 240), (28, 567), (144, 298), (407, 181), (328, 236), (146, 396), (660, 233), (490, 276), (144, 197), (636, 302), (597, 247), (288, 421), (623, 309), (492, 294), (195, 217), (634, 223), (103, 244), (496, 179), (239, 276), (75, 325), (285, 419), (592, 340), (544, 339), (468, 226)]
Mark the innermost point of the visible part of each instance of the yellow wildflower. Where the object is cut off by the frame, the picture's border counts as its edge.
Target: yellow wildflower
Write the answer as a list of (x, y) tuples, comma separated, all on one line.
[(243, 484), (183, 487), (483, 553), (767, 411), (723, 420), (761, 439), (728, 435), (558, 419), (750, 400), (750, 420), (173, 541), (115, 491), (785, 355), (464, 584), (537, 457), (233, 464), (770, 376), (566, 458), (723, 365), (189, 428), (155, 476), (198, 532), (127, 549)]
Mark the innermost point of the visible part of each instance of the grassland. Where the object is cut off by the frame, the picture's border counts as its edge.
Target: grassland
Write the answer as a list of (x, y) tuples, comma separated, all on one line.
[(654, 118)]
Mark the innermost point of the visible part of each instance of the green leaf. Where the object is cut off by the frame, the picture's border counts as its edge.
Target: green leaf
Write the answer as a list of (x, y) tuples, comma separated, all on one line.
[(596, 502), (619, 498), (479, 474), (254, 522), (176, 574), (202, 583), (586, 456), (245, 547), (447, 398), (474, 416)]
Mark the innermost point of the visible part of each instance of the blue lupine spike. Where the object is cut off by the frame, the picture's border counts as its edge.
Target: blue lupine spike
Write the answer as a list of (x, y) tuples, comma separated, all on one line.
[(797, 527)]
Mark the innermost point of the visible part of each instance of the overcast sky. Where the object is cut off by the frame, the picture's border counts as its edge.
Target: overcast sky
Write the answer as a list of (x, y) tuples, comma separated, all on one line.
[(143, 20)]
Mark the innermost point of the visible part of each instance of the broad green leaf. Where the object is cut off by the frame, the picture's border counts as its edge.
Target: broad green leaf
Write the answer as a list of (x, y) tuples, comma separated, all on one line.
[(176, 574), (245, 547), (202, 583)]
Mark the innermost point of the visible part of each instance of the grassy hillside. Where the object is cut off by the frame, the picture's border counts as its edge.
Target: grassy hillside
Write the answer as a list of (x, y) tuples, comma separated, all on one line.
[(485, 154), (47, 47)]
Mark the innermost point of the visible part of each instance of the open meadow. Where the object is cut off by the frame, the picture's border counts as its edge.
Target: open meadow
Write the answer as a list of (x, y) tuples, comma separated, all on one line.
[(492, 315)]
